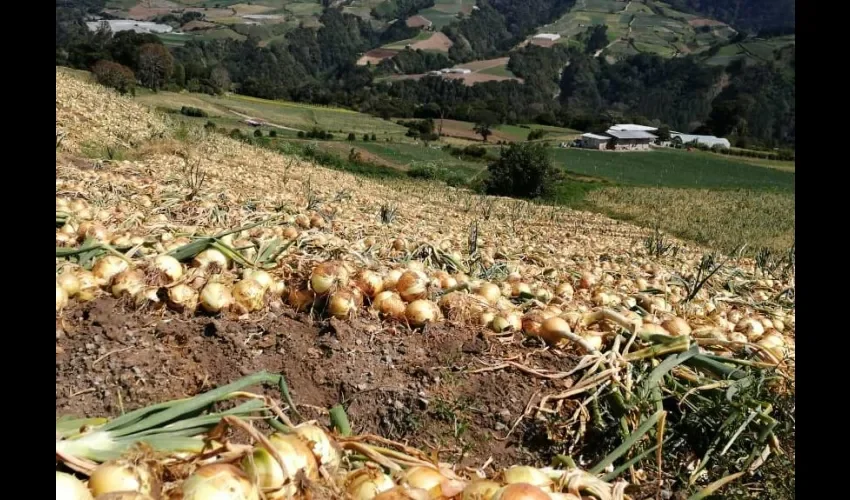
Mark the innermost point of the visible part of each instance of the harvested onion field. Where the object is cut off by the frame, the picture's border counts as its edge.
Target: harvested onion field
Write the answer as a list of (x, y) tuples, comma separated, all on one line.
[(234, 322)]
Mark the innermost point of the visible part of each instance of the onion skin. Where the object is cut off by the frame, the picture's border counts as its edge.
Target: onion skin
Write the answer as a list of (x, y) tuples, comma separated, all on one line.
[(169, 267), (490, 292), (219, 482), (248, 295), (124, 495), (521, 491), (61, 298), (367, 483), (69, 487), (412, 286), (301, 300), (425, 478), (480, 489), (107, 267), (120, 475), (182, 298), (420, 312), (553, 330), (530, 475), (69, 282), (327, 276), (370, 283), (402, 493), (324, 448), (215, 297)]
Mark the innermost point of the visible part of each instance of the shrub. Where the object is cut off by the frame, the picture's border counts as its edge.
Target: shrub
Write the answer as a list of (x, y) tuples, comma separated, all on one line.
[(210, 125), (351, 136), (427, 172), (195, 112), (116, 76), (536, 134), (272, 133), (523, 170), (365, 137), (300, 134), (236, 134), (374, 137), (258, 133), (474, 151)]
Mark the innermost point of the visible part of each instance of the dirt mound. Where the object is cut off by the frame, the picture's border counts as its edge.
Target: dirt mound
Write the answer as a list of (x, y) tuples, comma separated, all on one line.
[(409, 386)]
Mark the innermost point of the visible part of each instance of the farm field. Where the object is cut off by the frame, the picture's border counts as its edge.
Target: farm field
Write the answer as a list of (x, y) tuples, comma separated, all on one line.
[(652, 26), (759, 50), (191, 264), (446, 11), (673, 168)]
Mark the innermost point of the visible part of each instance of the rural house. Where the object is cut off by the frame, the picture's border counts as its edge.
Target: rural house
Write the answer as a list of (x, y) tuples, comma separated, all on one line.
[(621, 137)]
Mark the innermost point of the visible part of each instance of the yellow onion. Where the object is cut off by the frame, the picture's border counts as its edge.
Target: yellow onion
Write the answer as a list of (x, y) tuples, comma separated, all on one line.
[(61, 298), (676, 326), (490, 292), (520, 491), (211, 259), (128, 282), (169, 267), (122, 475), (486, 318), (323, 447), (277, 288), (500, 324), (594, 341), (369, 282), (343, 302), (327, 276), (301, 299), (366, 483), (553, 330), (543, 295), (219, 482), (260, 276), (420, 312), (124, 495), (107, 267), (290, 233), (514, 320), (88, 285), (262, 467), (520, 289), (653, 329), (480, 489), (775, 343), (389, 304), (399, 244), (317, 221), (92, 230), (531, 323), (750, 327), (391, 279), (444, 280), (303, 221), (564, 290), (248, 295), (425, 478), (69, 487), (402, 493), (529, 475), (412, 285), (215, 297), (69, 282), (182, 298)]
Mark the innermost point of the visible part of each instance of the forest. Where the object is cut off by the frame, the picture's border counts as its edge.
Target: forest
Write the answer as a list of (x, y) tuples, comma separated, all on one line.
[(752, 103)]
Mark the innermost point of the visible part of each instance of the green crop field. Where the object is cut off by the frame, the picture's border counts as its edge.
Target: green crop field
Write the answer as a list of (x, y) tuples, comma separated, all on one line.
[(409, 155), (672, 168)]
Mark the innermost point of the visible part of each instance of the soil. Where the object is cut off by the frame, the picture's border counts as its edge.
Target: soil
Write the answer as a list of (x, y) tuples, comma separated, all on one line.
[(438, 41), (405, 385)]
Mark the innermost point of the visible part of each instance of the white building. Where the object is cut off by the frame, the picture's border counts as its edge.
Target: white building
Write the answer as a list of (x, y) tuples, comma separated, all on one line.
[(594, 141), (547, 36), (631, 127), (457, 71), (706, 140)]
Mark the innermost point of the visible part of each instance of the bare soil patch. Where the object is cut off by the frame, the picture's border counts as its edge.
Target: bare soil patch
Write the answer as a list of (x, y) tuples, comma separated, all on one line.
[(702, 21), (405, 385), (438, 41), (375, 56)]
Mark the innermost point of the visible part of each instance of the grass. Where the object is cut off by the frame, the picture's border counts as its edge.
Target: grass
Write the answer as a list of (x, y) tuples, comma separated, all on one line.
[(672, 168)]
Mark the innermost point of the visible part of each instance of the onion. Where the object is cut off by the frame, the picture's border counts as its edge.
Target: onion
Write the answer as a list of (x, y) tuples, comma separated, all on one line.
[(369, 282), (774, 343), (543, 295), (420, 312), (366, 483), (210, 259), (124, 495), (500, 324), (61, 298), (88, 285), (290, 233), (391, 279), (594, 341), (587, 280), (219, 482), (399, 245), (402, 493), (169, 267), (262, 467), (526, 474), (69, 282), (69, 487), (425, 478), (521, 290), (412, 285), (490, 292), (653, 329), (107, 267), (445, 280), (520, 491), (262, 277), (278, 288), (215, 297), (301, 299), (182, 298), (343, 302), (128, 282), (480, 489), (303, 221), (248, 295), (323, 447), (676, 326), (389, 304), (750, 327), (553, 330), (121, 475), (327, 276)]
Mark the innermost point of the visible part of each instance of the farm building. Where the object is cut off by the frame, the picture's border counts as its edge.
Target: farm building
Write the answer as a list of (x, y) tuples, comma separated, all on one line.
[(457, 71), (706, 140), (594, 141), (631, 127), (630, 140), (551, 37)]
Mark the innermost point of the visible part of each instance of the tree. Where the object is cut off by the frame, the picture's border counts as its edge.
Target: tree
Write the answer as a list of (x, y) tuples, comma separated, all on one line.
[(155, 65), (597, 38), (523, 170), (483, 129), (220, 78), (116, 76), (663, 133), (365, 137), (351, 136)]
